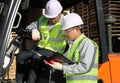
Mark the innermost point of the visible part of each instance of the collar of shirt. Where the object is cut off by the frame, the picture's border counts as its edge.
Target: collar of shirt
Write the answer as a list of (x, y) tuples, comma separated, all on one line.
[(50, 26), (71, 42)]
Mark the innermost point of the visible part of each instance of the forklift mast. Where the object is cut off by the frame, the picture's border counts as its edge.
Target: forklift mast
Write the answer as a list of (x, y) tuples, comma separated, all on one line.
[(7, 17), (102, 31)]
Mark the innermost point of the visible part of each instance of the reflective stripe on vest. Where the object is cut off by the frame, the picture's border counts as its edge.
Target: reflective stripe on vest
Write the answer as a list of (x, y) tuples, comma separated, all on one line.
[(53, 40), (82, 81), (82, 77), (91, 75)]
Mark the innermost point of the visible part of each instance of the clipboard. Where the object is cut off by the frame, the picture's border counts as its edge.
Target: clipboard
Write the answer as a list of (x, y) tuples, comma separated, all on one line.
[(59, 58), (50, 55)]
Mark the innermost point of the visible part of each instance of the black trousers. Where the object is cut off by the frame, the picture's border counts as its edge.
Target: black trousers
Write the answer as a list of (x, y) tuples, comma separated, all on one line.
[(21, 67), (42, 73)]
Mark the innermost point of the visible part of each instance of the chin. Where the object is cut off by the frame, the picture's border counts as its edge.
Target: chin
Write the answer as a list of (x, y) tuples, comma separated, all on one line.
[(53, 22), (69, 39)]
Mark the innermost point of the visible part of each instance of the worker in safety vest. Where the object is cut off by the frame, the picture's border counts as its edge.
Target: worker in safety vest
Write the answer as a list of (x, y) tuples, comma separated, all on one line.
[(52, 39), (82, 51)]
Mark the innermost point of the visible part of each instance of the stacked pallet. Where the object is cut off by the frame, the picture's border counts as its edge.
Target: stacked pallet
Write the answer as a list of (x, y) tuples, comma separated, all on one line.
[(105, 6), (11, 74), (82, 10), (93, 27), (88, 14), (113, 7)]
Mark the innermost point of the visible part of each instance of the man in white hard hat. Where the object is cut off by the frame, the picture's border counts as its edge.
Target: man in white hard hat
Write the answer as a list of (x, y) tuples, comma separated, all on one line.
[(52, 39), (82, 51)]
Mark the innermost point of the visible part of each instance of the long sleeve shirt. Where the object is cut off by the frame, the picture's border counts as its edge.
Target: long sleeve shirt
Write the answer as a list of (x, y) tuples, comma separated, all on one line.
[(34, 25), (87, 52)]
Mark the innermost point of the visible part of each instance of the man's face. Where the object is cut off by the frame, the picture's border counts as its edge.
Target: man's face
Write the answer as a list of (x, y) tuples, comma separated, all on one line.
[(73, 33), (70, 33), (54, 20)]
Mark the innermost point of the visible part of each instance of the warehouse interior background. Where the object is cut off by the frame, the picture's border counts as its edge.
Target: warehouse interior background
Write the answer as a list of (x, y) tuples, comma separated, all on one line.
[(85, 8)]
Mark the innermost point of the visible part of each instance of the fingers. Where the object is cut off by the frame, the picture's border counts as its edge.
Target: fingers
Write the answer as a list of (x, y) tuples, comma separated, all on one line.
[(35, 34), (54, 64), (49, 62)]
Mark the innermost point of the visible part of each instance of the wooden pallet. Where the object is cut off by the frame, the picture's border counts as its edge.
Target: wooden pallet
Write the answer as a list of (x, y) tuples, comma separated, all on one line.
[(115, 10), (88, 14), (11, 74)]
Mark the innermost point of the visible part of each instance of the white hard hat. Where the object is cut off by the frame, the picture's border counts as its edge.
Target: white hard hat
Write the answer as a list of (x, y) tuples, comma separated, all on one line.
[(53, 8), (71, 20)]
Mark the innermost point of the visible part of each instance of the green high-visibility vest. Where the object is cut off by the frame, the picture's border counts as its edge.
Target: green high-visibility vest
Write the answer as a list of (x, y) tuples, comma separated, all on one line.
[(88, 77), (53, 40)]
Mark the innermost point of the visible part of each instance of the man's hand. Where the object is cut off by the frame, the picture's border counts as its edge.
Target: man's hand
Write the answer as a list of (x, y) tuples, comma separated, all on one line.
[(54, 64), (35, 34)]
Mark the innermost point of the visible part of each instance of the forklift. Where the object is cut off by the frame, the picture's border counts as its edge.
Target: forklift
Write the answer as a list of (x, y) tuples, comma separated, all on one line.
[(9, 12)]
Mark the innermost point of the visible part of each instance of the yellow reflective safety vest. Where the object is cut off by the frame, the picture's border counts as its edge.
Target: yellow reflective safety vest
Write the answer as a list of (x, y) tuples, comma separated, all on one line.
[(53, 40), (91, 75)]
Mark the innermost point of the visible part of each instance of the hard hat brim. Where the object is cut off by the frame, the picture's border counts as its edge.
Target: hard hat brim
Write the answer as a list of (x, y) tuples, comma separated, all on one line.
[(81, 26), (63, 28), (48, 16)]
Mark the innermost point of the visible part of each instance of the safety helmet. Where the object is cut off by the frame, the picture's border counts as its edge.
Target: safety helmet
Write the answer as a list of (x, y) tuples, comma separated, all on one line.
[(71, 20), (53, 9)]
